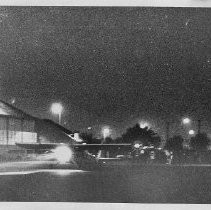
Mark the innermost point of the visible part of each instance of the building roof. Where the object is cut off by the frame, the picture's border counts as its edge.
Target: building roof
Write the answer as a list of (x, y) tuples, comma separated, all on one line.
[(10, 110), (52, 123)]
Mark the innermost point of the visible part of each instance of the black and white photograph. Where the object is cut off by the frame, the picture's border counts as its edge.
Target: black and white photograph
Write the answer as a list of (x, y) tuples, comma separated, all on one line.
[(105, 104)]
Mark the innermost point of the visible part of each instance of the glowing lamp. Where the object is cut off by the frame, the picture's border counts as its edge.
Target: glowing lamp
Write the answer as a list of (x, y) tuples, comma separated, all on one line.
[(191, 132), (186, 120), (106, 131), (137, 145), (142, 151), (144, 125), (56, 108), (63, 154)]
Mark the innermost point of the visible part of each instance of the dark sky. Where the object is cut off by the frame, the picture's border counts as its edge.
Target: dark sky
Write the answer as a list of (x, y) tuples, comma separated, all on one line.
[(111, 66)]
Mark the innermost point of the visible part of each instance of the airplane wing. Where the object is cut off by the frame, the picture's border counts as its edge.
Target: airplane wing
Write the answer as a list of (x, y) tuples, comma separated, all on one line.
[(100, 146), (37, 146), (49, 146)]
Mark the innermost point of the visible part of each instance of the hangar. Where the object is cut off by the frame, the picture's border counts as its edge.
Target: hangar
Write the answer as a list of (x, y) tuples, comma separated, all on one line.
[(16, 126)]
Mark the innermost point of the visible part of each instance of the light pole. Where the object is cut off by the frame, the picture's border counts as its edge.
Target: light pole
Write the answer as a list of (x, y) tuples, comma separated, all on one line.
[(106, 131), (167, 130), (199, 126), (185, 121), (57, 109), (188, 121)]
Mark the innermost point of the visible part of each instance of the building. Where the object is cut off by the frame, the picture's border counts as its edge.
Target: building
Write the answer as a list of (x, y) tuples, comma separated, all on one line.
[(17, 126), (51, 132)]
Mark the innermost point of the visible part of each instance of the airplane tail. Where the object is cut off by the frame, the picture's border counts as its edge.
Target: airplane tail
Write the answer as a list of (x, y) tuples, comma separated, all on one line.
[(76, 138)]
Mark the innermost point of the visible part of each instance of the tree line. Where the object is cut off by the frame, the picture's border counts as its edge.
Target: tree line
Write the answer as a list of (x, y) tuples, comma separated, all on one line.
[(148, 137)]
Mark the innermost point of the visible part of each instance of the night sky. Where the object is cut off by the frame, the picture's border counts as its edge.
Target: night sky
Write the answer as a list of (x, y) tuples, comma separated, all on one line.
[(108, 66)]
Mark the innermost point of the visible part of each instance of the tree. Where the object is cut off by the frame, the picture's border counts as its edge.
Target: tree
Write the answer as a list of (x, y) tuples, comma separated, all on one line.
[(200, 141), (155, 141), (174, 144), (89, 138), (118, 140), (145, 135), (108, 140)]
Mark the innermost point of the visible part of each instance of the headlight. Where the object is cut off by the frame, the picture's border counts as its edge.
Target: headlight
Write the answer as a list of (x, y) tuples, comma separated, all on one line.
[(63, 154)]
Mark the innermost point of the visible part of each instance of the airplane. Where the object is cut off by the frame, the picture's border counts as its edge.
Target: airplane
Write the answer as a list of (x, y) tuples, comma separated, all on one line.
[(75, 151)]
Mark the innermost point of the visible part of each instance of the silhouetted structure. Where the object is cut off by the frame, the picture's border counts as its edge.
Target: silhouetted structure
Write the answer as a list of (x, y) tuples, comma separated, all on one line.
[(175, 147), (174, 144), (89, 138), (18, 127), (200, 142), (145, 135)]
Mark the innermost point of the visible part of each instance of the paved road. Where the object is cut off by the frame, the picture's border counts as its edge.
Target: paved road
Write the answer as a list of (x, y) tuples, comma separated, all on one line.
[(9, 167), (146, 184)]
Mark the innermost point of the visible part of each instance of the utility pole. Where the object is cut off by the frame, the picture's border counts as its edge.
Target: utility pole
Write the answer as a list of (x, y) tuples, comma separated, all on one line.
[(167, 130), (199, 126)]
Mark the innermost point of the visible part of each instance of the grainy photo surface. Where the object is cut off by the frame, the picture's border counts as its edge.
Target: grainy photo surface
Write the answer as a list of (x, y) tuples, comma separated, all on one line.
[(105, 104)]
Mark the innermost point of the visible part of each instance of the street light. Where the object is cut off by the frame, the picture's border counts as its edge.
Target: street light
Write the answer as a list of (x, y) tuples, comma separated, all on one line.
[(186, 121), (106, 131), (57, 108), (144, 124), (191, 132)]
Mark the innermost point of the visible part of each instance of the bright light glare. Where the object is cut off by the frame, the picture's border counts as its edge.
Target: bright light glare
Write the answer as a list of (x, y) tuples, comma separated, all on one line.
[(63, 172), (137, 145), (144, 125), (63, 154), (186, 120), (191, 132), (56, 108), (106, 132), (142, 151)]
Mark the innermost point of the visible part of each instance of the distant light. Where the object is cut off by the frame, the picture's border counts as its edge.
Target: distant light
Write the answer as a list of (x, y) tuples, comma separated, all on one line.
[(142, 151), (137, 145), (191, 132), (144, 125), (186, 120), (56, 108), (63, 154), (13, 101), (89, 128)]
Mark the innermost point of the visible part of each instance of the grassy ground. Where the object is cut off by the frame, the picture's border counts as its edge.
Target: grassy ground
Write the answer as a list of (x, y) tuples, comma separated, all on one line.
[(143, 184)]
